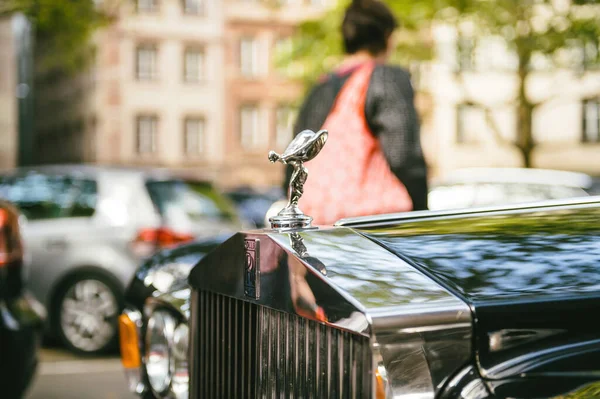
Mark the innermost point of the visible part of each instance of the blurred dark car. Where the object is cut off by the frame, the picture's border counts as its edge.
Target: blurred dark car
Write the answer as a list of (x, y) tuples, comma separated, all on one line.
[(21, 316), (87, 229), (160, 282), (254, 204)]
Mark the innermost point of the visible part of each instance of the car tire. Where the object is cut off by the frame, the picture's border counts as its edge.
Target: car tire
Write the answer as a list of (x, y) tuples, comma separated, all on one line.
[(85, 313)]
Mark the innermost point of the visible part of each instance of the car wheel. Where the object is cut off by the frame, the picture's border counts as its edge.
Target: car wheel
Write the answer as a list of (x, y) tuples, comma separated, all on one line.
[(86, 314)]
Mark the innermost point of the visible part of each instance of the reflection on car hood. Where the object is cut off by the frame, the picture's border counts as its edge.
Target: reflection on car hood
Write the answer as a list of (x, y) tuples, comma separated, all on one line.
[(531, 277), (529, 255)]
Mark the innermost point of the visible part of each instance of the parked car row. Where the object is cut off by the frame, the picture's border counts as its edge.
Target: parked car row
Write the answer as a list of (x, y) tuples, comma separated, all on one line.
[(87, 228)]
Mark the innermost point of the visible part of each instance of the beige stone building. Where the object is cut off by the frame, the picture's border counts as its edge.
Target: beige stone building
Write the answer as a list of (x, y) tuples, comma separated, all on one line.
[(191, 84), (259, 98), (566, 126), (186, 84)]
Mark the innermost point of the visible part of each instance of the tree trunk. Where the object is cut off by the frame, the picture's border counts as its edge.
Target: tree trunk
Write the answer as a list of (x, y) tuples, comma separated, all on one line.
[(524, 140)]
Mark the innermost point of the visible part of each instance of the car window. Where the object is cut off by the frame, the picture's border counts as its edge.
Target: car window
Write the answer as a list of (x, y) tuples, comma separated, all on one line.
[(49, 197), (84, 203), (194, 200)]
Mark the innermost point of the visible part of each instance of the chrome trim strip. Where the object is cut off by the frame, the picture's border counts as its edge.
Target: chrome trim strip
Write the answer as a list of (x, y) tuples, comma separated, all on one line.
[(394, 218), (420, 317)]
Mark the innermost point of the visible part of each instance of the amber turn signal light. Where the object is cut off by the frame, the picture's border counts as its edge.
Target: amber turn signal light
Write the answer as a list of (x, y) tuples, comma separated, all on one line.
[(380, 389), (128, 339)]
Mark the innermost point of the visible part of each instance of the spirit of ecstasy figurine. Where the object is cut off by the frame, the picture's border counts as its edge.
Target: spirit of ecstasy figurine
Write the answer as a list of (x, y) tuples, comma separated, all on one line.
[(305, 146)]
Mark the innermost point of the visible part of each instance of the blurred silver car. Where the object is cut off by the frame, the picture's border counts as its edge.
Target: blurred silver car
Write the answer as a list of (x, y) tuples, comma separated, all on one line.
[(87, 228), (475, 187)]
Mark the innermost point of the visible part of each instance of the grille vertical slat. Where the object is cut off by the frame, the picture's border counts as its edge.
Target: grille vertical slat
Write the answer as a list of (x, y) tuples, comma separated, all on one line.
[(248, 351), (218, 313), (210, 345), (229, 382), (287, 362), (280, 379), (351, 352), (236, 357), (243, 350), (329, 363)]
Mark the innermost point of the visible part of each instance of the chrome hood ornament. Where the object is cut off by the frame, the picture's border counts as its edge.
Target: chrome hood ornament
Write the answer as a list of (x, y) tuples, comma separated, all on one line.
[(305, 146)]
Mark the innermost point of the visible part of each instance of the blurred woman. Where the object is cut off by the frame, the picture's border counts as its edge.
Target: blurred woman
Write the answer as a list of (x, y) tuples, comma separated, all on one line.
[(373, 162)]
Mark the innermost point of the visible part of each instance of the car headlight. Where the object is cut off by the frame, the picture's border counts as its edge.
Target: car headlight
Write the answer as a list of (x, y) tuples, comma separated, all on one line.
[(180, 379), (159, 337), (163, 278)]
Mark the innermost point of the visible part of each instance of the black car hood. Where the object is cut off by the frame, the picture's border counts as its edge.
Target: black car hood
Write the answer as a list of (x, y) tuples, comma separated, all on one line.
[(531, 278)]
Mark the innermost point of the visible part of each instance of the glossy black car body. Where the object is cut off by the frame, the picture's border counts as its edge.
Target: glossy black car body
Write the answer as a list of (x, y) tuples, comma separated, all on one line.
[(482, 303), (21, 316), (157, 281)]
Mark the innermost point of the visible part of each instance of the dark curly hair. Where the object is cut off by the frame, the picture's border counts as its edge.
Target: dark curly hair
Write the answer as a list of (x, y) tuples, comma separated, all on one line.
[(367, 25)]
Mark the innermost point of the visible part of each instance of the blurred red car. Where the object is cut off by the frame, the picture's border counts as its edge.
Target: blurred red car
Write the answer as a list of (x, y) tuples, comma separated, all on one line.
[(21, 316)]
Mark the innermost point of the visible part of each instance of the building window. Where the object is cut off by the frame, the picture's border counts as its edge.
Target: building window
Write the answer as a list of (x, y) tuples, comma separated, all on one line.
[(249, 126), (284, 125), (147, 130), (466, 53), (193, 7), (283, 49), (194, 65), (146, 62), (587, 54), (591, 121), (249, 57), (147, 5), (194, 136), (470, 123)]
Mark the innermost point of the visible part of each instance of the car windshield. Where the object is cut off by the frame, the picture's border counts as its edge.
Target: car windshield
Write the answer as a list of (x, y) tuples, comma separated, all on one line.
[(195, 200)]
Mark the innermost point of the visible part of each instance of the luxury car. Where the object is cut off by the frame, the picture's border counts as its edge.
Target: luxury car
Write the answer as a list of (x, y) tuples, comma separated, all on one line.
[(490, 302), (162, 278), (21, 316), (473, 304), (88, 228)]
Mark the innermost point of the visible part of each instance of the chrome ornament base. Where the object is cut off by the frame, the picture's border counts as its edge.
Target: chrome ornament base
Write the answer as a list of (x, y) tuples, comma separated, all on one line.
[(290, 223), (290, 218)]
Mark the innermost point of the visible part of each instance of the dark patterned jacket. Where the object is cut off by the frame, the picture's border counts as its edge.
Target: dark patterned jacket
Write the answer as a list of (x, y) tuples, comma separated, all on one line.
[(391, 116)]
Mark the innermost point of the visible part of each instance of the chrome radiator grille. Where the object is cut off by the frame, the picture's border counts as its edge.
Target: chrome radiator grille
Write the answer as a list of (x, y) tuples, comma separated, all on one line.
[(248, 351)]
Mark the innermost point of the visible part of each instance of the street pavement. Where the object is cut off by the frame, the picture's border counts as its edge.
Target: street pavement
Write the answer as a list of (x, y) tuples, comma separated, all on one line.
[(62, 375)]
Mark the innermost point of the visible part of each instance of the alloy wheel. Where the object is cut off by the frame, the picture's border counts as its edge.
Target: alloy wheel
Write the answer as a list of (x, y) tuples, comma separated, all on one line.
[(87, 315)]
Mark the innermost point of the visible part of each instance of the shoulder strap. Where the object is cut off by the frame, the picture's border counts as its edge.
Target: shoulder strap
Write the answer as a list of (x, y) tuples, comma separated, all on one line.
[(357, 84)]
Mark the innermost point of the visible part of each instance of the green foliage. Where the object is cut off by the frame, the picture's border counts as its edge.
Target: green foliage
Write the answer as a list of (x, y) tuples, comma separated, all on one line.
[(63, 29), (317, 45), (527, 26)]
